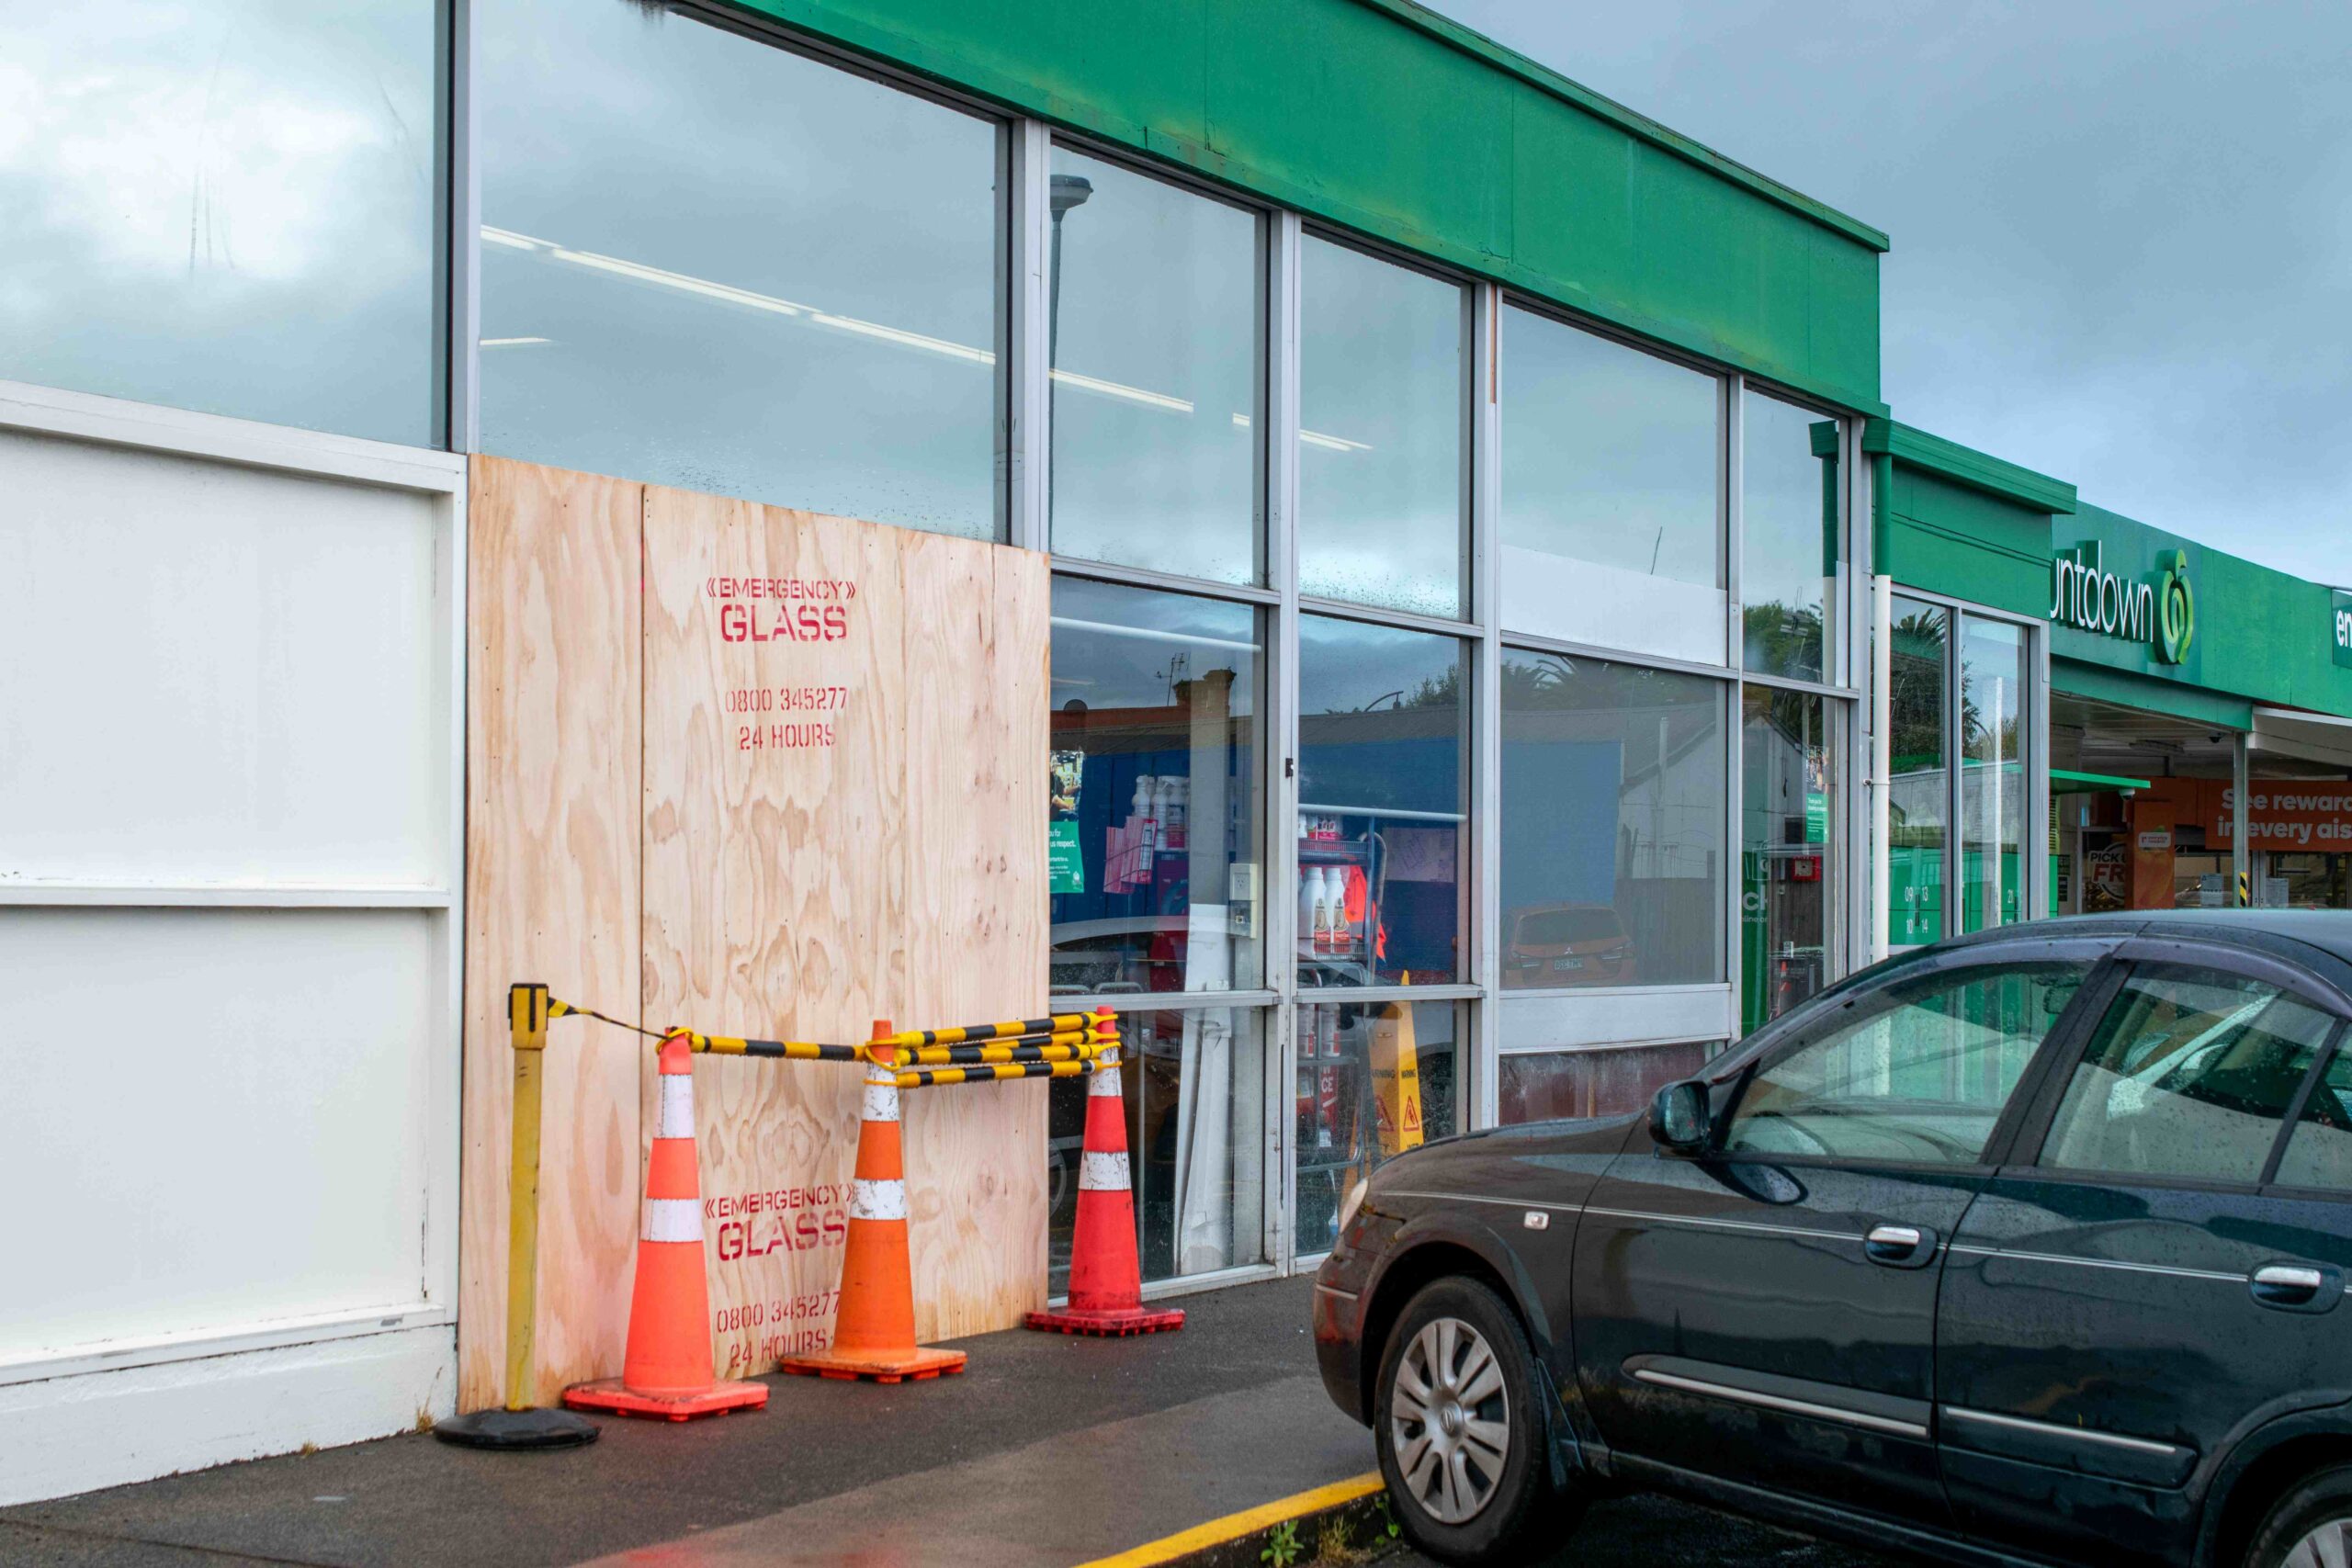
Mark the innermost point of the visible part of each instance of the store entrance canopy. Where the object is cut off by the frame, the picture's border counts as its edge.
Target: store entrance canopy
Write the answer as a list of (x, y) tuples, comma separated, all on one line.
[(2064, 781), (2311, 737)]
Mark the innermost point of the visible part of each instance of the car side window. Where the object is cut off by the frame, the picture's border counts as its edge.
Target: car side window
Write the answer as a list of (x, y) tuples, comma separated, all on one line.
[(1918, 1076), (2189, 1072), (2319, 1151)]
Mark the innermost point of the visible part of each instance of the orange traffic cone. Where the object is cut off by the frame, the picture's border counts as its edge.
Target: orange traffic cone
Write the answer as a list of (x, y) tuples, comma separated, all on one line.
[(1105, 1281), (667, 1370), (874, 1329)]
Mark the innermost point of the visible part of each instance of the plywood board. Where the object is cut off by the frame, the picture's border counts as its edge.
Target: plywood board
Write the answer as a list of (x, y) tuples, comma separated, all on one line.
[(975, 849), (552, 895), (845, 756)]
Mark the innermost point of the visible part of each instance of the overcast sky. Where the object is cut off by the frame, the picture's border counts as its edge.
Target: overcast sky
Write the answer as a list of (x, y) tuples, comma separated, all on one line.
[(2122, 231)]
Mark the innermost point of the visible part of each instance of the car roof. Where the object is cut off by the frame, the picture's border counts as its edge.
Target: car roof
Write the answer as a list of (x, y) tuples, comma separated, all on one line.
[(2329, 930)]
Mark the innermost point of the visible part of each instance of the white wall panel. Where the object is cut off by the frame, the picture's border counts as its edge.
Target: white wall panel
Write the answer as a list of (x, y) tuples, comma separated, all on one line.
[(72, 1434), (214, 1119), (218, 673)]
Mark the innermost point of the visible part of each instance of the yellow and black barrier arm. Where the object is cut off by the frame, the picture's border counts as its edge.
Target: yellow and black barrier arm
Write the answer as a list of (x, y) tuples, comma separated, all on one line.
[(783, 1050), (998, 1072), (971, 1034), (520, 1425), (1049, 1048)]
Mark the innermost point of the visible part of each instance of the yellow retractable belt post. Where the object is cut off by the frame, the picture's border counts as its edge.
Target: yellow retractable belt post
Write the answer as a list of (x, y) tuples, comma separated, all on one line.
[(519, 1425)]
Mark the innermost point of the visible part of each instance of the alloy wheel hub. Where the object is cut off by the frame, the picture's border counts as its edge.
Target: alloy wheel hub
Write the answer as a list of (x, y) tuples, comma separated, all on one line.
[(1449, 1420)]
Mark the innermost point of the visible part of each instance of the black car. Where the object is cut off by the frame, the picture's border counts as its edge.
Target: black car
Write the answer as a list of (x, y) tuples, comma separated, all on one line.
[(2030, 1246)]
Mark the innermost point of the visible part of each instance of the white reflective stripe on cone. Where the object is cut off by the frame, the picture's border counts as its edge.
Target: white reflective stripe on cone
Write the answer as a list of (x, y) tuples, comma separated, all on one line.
[(1104, 1079), (678, 1106), (877, 1200), (671, 1219), (881, 1100), (1103, 1173)]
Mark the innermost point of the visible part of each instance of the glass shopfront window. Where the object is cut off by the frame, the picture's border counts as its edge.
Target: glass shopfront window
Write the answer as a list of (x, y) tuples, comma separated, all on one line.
[(1611, 493), (1152, 832), (1382, 370), (1374, 1079), (1993, 780), (1919, 796), (226, 206), (1157, 315), (1193, 1081), (710, 263), (1613, 807), (1791, 564), (1543, 1086), (1788, 854), (1384, 735)]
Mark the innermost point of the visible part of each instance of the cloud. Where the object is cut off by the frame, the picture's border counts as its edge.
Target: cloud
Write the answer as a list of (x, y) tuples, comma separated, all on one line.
[(2122, 234)]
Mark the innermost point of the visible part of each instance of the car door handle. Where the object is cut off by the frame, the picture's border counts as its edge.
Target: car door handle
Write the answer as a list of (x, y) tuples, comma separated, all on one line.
[(2286, 1284), (1899, 1247)]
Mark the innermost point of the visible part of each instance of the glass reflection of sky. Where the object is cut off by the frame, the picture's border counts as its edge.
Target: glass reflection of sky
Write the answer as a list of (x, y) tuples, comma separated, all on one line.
[(1118, 648), (1380, 480), (1788, 549), (1608, 454), (712, 263), (1155, 408), (224, 205), (1345, 666)]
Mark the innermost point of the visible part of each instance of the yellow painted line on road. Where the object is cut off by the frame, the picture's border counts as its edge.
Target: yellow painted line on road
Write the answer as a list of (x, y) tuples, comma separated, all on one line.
[(1233, 1527)]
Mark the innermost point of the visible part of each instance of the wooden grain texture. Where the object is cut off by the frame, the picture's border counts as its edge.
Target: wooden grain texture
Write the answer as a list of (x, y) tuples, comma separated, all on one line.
[(975, 849), (878, 853), (878, 858), (551, 895)]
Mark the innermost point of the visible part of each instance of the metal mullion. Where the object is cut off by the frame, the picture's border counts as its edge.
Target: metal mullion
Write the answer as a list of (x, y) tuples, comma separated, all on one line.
[(1955, 769), (1783, 684), (1528, 642), (1028, 327), (1461, 990), (1167, 582), (1164, 1001), (1730, 471), (1476, 1094), (461, 429), (1284, 258), (1863, 720), (2034, 868), (1347, 609)]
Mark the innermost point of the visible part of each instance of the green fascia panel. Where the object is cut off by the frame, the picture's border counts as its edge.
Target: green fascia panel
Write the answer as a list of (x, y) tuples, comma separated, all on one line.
[(1383, 118), (2261, 636), (1512, 62), (1950, 539), (2100, 683), (1964, 465)]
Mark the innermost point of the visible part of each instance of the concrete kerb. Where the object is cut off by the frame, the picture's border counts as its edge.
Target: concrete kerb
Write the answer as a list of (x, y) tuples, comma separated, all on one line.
[(1355, 1509)]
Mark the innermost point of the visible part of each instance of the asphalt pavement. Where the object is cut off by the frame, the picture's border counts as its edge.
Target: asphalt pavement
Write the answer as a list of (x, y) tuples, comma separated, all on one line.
[(1641, 1532), (1049, 1451)]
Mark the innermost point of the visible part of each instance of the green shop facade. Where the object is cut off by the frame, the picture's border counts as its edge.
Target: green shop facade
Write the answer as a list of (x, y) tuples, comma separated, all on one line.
[(1481, 547), (2084, 713)]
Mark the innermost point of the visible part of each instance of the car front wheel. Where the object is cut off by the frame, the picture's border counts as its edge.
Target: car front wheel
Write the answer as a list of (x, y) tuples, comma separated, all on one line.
[(2310, 1526), (1459, 1430)]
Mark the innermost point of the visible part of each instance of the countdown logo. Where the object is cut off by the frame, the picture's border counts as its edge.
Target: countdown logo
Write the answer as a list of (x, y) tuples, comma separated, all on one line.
[(2162, 614)]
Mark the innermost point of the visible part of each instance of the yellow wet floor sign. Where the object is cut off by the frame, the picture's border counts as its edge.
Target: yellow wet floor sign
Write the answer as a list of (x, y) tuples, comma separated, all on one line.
[(1397, 1080)]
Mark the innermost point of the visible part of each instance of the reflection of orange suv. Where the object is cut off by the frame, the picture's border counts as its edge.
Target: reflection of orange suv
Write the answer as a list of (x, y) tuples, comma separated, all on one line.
[(1567, 944)]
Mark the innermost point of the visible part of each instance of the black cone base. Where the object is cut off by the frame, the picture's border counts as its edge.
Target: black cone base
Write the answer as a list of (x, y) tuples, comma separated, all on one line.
[(516, 1429)]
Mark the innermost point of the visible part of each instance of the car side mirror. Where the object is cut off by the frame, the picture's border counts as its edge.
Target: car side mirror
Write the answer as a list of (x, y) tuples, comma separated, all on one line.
[(1678, 1117)]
